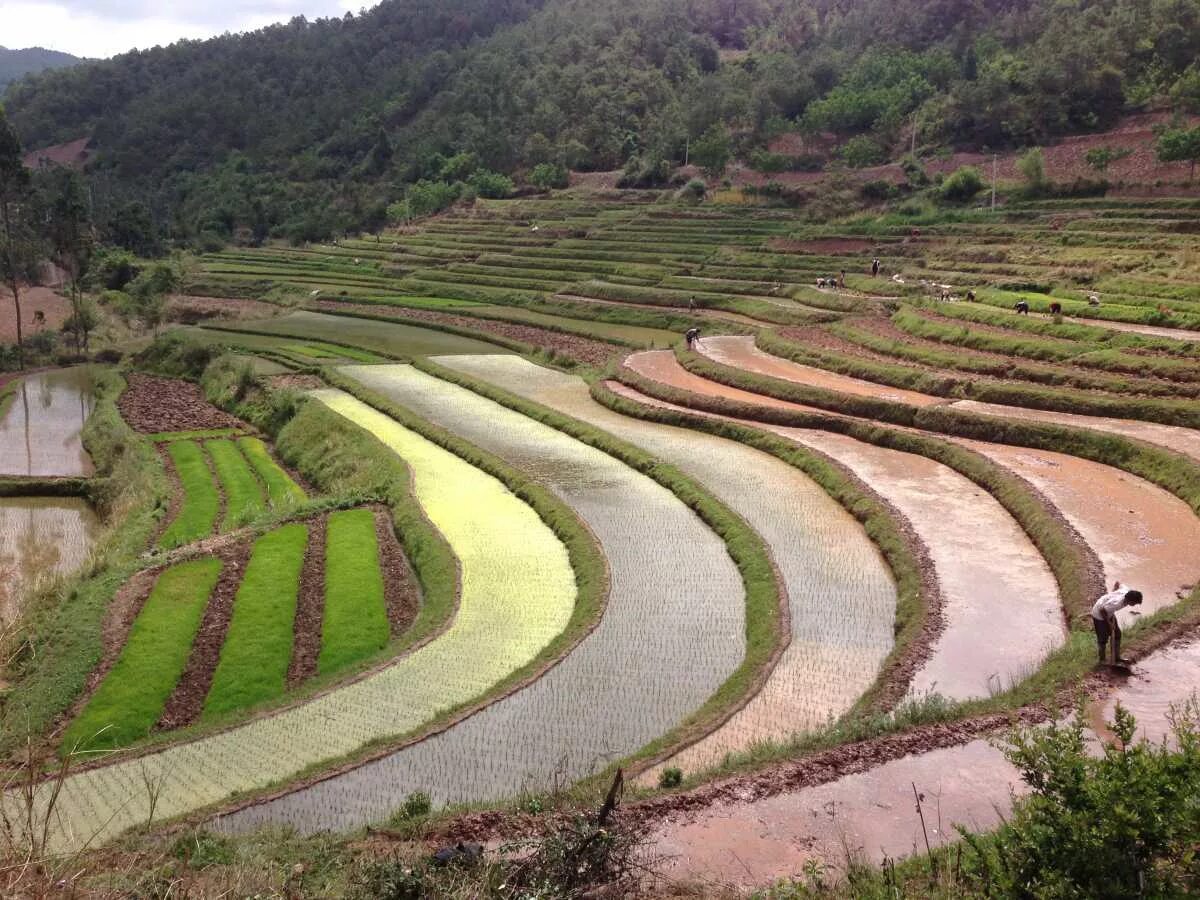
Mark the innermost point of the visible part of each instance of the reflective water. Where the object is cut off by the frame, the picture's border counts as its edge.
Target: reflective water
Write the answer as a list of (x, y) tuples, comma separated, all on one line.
[(40, 536), (40, 432)]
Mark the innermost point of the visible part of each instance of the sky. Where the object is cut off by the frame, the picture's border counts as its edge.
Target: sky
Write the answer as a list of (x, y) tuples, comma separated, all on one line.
[(100, 28)]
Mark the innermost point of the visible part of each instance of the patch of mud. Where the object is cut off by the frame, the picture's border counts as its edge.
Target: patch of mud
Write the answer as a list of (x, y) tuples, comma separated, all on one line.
[(55, 310), (190, 310), (296, 382), (152, 404), (1161, 685), (310, 606)]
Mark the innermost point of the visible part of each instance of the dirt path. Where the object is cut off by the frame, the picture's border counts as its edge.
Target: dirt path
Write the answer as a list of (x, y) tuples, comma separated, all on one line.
[(1178, 334), (985, 562)]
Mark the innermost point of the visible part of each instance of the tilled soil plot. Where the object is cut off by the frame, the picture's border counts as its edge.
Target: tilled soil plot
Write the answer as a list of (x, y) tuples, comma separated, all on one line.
[(581, 349), (153, 404)]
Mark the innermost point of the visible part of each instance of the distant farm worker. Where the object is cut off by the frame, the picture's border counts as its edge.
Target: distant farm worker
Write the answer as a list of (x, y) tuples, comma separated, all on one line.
[(875, 267), (1093, 299), (970, 296), (691, 336), (692, 302), (1056, 309), (1022, 307), (1104, 619), (842, 279)]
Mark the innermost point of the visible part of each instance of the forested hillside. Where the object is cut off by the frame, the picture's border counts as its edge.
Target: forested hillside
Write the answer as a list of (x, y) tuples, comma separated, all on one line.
[(309, 128), (16, 64)]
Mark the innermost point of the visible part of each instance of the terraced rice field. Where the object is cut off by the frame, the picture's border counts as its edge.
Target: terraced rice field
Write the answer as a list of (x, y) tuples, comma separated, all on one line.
[(675, 599), (40, 431), (841, 598), (517, 593), (1006, 466)]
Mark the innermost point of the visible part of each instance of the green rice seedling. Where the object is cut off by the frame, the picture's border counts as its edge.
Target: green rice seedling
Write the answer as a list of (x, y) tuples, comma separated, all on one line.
[(356, 623), (258, 646), (198, 513), (243, 494), (281, 489), (133, 694)]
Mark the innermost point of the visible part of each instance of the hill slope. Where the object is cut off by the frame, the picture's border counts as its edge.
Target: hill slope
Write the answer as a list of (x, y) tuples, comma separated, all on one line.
[(308, 128), (16, 64)]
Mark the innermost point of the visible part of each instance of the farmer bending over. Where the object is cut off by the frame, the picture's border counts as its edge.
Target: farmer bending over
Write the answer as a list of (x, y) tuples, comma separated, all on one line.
[(691, 336), (1104, 618)]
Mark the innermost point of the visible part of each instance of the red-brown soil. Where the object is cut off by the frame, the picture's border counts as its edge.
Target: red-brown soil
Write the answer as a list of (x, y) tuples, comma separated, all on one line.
[(584, 350), (1064, 161), (187, 700), (153, 404), (54, 307), (310, 607)]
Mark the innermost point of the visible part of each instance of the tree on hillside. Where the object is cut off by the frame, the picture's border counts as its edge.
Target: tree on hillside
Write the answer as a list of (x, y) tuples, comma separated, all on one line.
[(1032, 165), (713, 150), (1180, 145), (18, 243), (69, 228)]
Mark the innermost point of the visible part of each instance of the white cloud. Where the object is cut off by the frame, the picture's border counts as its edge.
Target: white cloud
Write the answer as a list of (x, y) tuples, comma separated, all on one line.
[(100, 28)]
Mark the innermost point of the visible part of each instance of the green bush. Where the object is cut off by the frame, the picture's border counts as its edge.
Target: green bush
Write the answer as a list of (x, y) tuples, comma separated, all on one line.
[(861, 151), (549, 175), (670, 778), (490, 184), (963, 185)]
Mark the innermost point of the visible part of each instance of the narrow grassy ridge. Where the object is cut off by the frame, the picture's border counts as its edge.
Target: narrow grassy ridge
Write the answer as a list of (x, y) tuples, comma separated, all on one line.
[(356, 623), (258, 646), (198, 513), (281, 489), (243, 494)]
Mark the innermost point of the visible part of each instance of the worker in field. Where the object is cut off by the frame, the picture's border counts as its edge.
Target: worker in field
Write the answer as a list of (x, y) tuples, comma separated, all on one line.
[(691, 336), (1022, 307), (842, 280), (875, 267), (1104, 619)]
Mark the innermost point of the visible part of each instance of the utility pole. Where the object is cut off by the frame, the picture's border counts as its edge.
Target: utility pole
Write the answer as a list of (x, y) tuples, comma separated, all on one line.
[(912, 144), (993, 182), (687, 148)]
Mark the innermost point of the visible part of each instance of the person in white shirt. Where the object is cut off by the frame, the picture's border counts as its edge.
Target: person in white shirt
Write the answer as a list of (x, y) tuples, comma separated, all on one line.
[(1104, 618)]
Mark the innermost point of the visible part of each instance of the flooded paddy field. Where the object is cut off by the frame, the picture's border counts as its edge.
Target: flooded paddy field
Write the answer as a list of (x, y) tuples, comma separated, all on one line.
[(40, 432), (40, 537)]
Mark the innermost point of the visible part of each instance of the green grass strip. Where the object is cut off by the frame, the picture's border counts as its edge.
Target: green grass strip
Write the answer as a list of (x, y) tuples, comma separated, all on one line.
[(132, 695), (201, 503), (243, 494), (281, 489), (258, 647), (356, 623)]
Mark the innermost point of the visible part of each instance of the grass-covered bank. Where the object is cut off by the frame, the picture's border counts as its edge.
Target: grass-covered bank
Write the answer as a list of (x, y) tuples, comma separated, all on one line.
[(59, 640), (764, 613)]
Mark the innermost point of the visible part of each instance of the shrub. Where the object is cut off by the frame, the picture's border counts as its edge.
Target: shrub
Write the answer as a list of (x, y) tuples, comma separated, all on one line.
[(713, 150), (693, 191), (962, 185), (877, 191), (644, 171), (670, 777), (861, 151), (768, 163), (549, 175), (1032, 166), (487, 183)]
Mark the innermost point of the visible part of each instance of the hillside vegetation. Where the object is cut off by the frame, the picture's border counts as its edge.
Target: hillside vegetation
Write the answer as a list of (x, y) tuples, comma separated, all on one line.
[(307, 129), (15, 64)]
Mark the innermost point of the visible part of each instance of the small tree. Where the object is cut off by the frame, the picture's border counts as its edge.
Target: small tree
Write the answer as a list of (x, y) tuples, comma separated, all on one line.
[(1180, 145), (549, 175), (1032, 165), (962, 185), (148, 294), (1100, 158), (713, 150), (82, 322), (861, 151), (69, 229), (490, 184)]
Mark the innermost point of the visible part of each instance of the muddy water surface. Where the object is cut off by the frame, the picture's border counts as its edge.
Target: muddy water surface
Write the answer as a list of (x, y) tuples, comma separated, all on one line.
[(40, 433), (1002, 608), (1166, 679), (40, 536), (740, 353), (1144, 537), (871, 814)]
